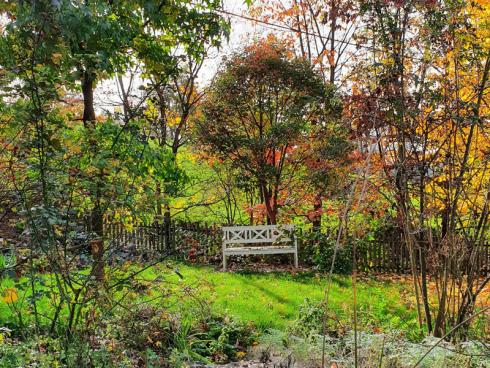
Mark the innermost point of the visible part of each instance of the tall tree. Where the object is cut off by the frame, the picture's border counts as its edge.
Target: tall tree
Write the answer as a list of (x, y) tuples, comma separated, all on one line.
[(63, 160), (322, 33), (259, 110), (100, 38), (426, 113)]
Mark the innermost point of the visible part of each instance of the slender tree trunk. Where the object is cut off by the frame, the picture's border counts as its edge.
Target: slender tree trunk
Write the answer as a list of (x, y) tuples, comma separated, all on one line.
[(317, 208), (318, 201), (97, 215), (251, 208), (423, 274), (439, 325), (166, 226), (158, 190)]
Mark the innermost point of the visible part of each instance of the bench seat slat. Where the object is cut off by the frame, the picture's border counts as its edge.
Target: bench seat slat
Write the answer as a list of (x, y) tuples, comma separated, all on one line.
[(259, 250)]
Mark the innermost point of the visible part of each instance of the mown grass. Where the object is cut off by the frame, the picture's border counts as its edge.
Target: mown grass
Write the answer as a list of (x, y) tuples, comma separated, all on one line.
[(268, 300), (272, 300)]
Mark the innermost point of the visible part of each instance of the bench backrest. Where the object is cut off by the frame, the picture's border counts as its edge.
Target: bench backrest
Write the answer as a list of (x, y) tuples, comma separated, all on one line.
[(257, 234)]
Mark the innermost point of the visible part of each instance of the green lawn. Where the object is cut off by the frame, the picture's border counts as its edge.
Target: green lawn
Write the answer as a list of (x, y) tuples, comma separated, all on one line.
[(269, 300), (272, 300)]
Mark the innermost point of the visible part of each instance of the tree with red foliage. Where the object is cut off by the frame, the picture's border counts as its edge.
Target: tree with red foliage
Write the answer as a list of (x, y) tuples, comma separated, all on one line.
[(262, 112)]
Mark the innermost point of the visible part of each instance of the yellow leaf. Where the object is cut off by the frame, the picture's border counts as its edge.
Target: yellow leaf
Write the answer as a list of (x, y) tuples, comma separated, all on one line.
[(10, 295), (240, 355), (56, 57)]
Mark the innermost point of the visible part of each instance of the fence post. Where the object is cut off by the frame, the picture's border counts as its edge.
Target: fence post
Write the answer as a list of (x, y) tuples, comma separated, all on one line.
[(166, 232)]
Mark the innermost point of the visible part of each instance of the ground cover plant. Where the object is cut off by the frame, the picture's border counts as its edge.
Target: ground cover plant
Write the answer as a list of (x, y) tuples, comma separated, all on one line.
[(145, 321)]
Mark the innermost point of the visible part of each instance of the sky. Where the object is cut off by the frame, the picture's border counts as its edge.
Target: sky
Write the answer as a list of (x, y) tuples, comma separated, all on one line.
[(242, 31)]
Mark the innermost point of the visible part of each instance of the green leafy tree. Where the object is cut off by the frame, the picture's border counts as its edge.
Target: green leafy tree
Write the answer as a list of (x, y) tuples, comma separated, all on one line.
[(60, 165), (91, 40)]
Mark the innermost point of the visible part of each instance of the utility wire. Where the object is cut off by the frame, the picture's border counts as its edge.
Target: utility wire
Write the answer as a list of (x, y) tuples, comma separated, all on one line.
[(307, 33)]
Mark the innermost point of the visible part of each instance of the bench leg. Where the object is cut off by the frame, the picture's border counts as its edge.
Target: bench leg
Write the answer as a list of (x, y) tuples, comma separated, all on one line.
[(224, 263)]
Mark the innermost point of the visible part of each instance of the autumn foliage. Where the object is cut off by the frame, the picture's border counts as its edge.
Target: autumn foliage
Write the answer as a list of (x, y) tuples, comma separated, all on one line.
[(271, 116)]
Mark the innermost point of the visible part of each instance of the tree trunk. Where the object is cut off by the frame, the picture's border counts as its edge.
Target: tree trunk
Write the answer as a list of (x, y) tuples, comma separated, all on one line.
[(318, 202), (166, 227), (439, 325), (88, 98), (271, 210), (97, 215), (97, 249), (158, 190), (317, 208), (425, 294)]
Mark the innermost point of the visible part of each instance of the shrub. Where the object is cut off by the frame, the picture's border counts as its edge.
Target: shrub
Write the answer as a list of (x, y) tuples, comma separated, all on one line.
[(317, 250), (310, 321), (144, 328), (26, 354), (145, 336), (225, 338), (156, 333)]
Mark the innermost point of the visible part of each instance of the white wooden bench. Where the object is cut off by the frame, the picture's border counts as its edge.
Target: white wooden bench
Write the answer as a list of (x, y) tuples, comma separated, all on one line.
[(280, 237)]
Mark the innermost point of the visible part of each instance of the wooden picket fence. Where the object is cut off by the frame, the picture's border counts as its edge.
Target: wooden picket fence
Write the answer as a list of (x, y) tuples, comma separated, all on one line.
[(186, 239), (383, 256), (202, 242), (140, 237), (392, 255)]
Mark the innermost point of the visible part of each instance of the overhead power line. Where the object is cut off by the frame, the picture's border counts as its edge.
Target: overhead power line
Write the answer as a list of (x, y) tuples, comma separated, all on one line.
[(307, 33)]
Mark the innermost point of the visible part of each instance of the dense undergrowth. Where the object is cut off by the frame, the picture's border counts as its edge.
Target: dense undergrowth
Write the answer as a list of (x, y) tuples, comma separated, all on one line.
[(145, 321)]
